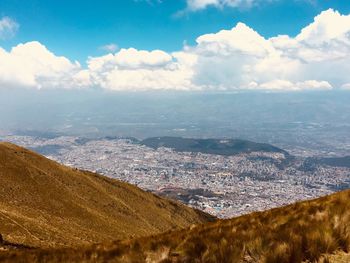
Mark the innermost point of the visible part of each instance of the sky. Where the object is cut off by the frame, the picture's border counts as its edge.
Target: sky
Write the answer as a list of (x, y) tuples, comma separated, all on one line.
[(175, 44)]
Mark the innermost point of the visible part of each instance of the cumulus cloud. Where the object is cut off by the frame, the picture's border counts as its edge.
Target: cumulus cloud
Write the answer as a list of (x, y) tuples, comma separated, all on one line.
[(132, 69), (8, 27), (240, 57), (32, 65), (328, 26), (318, 58), (133, 58)]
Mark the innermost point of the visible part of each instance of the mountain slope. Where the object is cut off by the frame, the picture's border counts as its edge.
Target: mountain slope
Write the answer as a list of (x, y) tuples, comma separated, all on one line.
[(44, 204), (302, 232)]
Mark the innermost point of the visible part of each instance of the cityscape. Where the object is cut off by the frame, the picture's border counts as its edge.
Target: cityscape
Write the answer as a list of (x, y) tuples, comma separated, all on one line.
[(224, 186)]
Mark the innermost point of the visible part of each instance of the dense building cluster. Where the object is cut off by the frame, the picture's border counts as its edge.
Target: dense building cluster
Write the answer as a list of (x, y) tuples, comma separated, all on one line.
[(225, 186)]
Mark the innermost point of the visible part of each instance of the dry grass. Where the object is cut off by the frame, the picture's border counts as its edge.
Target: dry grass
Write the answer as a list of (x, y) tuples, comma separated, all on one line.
[(44, 204), (303, 232), (337, 258)]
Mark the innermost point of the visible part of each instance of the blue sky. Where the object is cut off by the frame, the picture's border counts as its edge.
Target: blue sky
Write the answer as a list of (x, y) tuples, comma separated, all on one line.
[(218, 45), (78, 28)]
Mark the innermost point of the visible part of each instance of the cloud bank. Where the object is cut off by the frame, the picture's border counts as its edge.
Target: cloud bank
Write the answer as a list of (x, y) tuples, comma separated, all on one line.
[(318, 58)]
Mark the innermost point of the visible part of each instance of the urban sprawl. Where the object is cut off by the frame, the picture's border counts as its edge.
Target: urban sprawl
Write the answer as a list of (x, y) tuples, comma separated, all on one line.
[(224, 186)]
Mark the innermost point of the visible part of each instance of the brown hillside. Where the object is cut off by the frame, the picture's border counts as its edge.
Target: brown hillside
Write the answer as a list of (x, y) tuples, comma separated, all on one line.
[(45, 204), (302, 232)]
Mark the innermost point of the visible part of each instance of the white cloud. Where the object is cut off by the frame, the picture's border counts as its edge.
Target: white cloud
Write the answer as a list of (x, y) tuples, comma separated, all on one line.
[(240, 58), (110, 47), (345, 86), (197, 5), (285, 85), (327, 26), (201, 4), (132, 69), (32, 65), (241, 39), (314, 85), (131, 59), (194, 5), (316, 59), (8, 27)]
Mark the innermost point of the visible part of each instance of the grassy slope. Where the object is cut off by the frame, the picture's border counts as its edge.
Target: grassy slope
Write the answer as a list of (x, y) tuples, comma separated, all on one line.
[(44, 204), (302, 232), (339, 258)]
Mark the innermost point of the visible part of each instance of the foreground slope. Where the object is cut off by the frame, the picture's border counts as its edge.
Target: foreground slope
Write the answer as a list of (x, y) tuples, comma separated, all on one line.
[(302, 232), (45, 204)]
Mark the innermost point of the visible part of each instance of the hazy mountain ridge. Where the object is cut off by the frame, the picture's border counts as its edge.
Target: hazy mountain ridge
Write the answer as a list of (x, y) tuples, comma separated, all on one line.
[(335, 161), (210, 146)]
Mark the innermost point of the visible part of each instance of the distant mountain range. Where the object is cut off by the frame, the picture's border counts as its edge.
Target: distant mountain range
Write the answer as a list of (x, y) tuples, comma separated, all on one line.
[(45, 204), (334, 161), (227, 147), (210, 146)]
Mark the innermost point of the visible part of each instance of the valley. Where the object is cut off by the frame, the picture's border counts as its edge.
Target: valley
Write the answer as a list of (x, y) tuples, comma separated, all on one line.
[(224, 186)]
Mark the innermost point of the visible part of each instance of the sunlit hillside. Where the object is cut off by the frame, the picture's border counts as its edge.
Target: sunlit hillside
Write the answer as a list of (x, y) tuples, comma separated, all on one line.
[(303, 232), (45, 204)]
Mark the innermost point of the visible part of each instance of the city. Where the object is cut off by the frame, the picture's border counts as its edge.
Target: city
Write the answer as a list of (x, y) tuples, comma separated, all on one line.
[(224, 186)]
